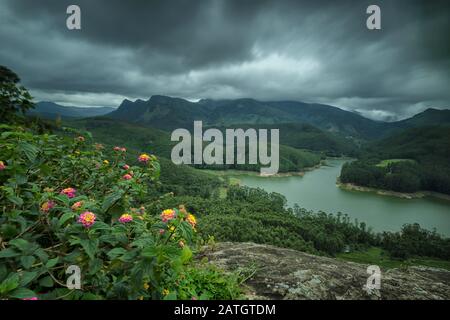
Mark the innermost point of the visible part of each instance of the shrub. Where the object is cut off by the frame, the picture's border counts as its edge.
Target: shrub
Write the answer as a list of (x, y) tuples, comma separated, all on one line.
[(67, 201)]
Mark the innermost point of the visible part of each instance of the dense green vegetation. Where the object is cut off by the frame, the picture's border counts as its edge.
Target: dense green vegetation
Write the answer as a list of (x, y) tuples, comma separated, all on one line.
[(66, 202), (428, 168), (248, 214), (307, 137), (116, 132)]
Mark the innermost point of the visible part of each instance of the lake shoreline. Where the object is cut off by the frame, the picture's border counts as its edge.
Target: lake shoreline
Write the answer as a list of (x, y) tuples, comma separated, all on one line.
[(301, 173), (383, 192)]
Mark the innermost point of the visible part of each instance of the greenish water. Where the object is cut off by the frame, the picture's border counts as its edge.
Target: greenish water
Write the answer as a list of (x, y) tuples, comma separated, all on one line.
[(317, 190)]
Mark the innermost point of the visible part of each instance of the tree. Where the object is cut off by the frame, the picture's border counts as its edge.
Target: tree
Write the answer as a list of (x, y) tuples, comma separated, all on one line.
[(14, 98)]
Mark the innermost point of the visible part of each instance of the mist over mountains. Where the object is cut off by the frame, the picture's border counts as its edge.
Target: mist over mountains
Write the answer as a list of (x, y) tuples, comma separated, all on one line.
[(51, 110)]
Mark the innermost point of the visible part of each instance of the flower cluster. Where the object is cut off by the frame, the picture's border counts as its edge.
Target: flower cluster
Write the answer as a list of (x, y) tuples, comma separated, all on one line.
[(125, 167), (127, 176), (2, 166), (69, 192), (168, 215), (47, 206), (192, 220), (144, 158), (77, 205), (120, 149), (87, 219), (125, 218), (80, 139)]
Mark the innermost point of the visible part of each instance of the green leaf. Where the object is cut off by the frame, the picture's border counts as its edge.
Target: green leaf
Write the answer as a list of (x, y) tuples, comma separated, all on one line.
[(46, 282), (62, 198), (52, 262), (186, 254), (90, 247), (90, 296), (129, 256), (66, 216), (27, 261), (20, 244), (27, 277), (3, 272), (116, 252), (29, 150), (95, 266), (10, 283), (9, 253), (21, 179), (41, 254), (16, 200), (111, 199), (8, 230), (22, 293)]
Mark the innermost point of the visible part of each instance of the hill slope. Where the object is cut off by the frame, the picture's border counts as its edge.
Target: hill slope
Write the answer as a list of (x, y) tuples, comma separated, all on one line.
[(413, 160)]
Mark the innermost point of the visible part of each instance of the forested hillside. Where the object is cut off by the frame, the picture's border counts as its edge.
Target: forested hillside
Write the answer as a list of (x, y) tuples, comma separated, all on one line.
[(140, 138), (413, 160)]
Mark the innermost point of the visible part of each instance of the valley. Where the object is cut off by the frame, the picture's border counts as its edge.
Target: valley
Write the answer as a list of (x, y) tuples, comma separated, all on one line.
[(301, 207)]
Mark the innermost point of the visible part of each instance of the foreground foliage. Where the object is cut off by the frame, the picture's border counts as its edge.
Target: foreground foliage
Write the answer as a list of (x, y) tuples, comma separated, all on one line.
[(68, 202)]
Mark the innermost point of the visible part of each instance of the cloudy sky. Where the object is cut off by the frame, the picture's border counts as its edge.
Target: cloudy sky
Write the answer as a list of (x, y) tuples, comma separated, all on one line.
[(314, 51)]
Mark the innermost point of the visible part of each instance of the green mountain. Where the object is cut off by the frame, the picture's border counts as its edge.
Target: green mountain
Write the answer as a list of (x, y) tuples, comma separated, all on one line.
[(170, 113), (50, 110), (429, 117)]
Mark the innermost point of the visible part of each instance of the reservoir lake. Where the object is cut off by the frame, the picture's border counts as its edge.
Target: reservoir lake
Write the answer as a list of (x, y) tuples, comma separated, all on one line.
[(317, 190)]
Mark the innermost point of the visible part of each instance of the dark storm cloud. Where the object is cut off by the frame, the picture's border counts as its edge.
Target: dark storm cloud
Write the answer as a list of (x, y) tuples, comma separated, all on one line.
[(317, 51)]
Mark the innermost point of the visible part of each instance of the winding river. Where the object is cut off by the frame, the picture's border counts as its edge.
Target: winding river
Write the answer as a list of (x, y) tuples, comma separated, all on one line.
[(317, 190)]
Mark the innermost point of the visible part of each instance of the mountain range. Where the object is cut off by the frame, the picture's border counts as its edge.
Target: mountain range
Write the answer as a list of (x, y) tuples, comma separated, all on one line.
[(168, 113)]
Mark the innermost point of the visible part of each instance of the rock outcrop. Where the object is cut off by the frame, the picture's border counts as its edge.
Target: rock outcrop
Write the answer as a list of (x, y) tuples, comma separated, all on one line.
[(290, 274)]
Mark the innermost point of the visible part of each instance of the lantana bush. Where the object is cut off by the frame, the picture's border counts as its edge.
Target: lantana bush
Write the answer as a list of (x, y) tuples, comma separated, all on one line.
[(67, 201)]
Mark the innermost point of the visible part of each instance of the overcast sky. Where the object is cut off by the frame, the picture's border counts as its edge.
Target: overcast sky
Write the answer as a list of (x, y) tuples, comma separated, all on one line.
[(313, 51)]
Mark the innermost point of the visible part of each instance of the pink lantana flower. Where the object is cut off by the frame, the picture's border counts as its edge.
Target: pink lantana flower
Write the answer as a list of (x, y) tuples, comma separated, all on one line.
[(2, 166), (125, 218), (144, 158), (87, 219), (167, 215), (47, 206), (69, 192), (77, 205), (127, 177)]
